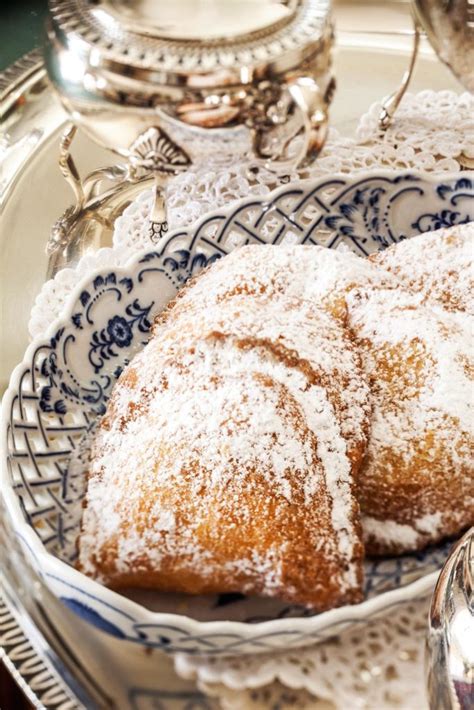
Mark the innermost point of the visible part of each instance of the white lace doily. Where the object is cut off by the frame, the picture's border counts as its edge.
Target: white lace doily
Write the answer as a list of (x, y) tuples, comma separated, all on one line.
[(378, 666), (431, 131)]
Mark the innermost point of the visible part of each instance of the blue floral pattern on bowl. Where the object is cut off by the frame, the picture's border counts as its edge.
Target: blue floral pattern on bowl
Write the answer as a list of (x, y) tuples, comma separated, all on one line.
[(63, 384)]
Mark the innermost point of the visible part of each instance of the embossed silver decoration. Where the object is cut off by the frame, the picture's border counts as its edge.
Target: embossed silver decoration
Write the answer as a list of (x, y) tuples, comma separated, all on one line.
[(116, 65), (41, 685), (153, 156), (122, 70), (449, 26), (155, 151), (450, 646)]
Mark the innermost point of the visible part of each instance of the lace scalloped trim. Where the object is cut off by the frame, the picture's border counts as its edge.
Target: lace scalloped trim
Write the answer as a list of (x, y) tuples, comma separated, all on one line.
[(378, 665), (414, 141)]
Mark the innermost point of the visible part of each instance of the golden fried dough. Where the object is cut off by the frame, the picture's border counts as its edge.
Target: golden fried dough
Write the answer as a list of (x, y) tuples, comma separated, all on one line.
[(222, 463), (315, 274), (437, 265), (417, 483)]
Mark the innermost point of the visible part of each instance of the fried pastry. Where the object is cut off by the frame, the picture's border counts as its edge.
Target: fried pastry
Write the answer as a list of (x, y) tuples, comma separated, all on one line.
[(416, 485), (438, 265), (277, 384), (299, 335), (315, 274), (221, 464)]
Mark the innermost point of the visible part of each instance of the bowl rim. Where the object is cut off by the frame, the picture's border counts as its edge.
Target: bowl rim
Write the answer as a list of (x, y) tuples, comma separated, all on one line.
[(49, 564)]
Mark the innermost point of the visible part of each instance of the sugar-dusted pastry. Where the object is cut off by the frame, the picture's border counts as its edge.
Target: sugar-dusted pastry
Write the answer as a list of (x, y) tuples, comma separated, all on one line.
[(416, 485), (300, 336), (438, 265), (221, 464), (317, 274)]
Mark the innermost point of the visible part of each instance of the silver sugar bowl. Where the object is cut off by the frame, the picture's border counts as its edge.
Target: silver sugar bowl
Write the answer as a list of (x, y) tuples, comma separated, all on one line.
[(128, 70)]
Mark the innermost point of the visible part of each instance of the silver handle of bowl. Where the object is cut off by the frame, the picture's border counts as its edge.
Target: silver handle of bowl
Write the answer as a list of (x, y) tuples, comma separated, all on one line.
[(450, 643)]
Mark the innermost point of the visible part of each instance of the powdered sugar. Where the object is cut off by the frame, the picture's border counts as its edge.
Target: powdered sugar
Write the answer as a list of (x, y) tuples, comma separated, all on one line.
[(297, 330), (251, 390), (234, 391), (417, 482), (440, 338), (315, 274), (209, 422), (438, 266), (309, 336), (430, 524), (388, 531)]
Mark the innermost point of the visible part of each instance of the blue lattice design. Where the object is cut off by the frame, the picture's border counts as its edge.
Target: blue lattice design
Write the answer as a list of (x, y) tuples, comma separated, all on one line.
[(64, 382)]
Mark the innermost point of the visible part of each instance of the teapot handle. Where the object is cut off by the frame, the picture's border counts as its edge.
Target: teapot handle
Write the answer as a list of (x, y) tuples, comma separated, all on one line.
[(391, 102)]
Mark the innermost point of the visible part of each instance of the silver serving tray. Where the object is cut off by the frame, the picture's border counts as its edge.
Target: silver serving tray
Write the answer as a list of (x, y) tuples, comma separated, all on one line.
[(33, 195)]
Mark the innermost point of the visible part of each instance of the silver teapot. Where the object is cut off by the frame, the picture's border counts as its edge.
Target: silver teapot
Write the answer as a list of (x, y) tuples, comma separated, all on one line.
[(133, 74)]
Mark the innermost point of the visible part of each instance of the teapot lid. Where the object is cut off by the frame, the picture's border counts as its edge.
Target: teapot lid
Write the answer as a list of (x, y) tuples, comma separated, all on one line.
[(191, 42), (197, 20)]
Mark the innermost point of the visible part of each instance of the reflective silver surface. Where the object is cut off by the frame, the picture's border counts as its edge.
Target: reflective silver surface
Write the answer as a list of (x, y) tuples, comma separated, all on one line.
[(449, 25), (391, 103), (450, 645), (83, 668), (198, 20), (116, 65), (120, 67), (35, 194)]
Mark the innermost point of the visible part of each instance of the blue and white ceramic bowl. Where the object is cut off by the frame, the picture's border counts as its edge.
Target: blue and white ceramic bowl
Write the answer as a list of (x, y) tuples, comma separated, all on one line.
[(64, 381)]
